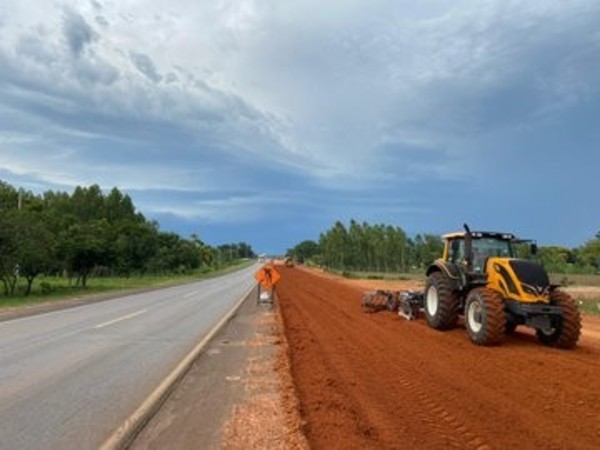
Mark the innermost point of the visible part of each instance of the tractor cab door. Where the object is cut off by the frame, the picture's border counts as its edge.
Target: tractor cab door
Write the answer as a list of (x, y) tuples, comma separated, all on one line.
[(457, 254), (456, 251)]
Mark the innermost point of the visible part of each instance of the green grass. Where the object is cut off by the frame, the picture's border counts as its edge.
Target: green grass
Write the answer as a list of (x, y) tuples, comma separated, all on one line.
[(589, 305), (59, 289)]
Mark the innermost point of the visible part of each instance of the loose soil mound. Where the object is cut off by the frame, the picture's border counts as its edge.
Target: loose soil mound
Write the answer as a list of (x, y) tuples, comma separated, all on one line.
[(378, 381)]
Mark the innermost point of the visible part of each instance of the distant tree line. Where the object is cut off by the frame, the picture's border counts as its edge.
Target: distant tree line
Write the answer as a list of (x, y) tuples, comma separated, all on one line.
[(87, 233), (386, 248), (365, 247)]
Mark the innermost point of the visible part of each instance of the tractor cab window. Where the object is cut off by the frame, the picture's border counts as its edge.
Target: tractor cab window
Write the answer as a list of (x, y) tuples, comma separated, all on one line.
[(484, 248), (456, 253)]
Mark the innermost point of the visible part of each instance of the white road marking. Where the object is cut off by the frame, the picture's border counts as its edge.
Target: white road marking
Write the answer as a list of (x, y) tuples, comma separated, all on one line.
[(120, 319), (191, 294)]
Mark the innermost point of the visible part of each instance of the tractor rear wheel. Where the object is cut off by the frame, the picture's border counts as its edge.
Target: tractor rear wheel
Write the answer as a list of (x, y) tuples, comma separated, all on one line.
[(566, 332), (441, 303), (485, 318)]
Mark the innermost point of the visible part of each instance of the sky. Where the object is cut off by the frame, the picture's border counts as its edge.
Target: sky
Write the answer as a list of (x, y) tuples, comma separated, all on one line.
[(265, 121)]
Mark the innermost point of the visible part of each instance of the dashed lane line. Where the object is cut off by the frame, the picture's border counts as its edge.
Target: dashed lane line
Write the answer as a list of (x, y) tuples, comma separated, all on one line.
[(120, 319)]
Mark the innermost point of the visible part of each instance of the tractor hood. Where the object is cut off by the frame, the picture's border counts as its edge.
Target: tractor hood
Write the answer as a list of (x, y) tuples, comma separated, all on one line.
[(531, 274)]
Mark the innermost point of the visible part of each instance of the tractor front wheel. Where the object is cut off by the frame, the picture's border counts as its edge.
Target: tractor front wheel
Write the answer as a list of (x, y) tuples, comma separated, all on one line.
[(485, 318), (565, 333), (441, 303)]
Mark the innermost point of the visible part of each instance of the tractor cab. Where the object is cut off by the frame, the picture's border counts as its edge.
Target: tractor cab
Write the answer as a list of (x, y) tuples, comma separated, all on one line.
[(493, 259), (483, 245)]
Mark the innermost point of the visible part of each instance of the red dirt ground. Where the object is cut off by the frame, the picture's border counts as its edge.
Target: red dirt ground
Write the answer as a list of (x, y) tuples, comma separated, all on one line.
[(375, 381)]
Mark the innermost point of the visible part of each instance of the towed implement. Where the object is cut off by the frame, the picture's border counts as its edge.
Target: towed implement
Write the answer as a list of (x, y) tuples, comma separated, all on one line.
[(480, 277), (407, 303)]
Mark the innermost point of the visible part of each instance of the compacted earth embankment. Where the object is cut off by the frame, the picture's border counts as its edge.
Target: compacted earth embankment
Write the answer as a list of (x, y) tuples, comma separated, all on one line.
[(378, 381)]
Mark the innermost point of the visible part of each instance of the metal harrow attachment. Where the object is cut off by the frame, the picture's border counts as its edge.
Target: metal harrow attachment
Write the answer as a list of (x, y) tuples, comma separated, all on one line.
[(407, 303)]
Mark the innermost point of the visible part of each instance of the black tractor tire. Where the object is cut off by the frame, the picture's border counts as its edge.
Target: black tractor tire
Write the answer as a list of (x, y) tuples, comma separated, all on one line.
[(566, 333), (485, 318), (441, 303)]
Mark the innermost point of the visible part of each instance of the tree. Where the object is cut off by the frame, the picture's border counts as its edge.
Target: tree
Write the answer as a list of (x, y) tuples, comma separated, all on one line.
[(9, 197), (86, 231), (119, 207), (88, 203), (83, 247), (334, 246), (134, 244), (555, 258), (304, 251), (8, 252), (166, 257), (34, 246), (589, 253)]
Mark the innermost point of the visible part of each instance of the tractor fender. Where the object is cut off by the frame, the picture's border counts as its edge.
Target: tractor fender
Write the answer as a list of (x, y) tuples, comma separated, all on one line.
[(450, 270)]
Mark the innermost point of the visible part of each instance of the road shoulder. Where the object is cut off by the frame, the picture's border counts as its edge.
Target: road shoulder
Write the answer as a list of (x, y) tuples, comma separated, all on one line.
[(238, 394)]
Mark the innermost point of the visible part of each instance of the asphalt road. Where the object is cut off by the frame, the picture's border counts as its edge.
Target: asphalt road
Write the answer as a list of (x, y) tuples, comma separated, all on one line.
[(69, 378)]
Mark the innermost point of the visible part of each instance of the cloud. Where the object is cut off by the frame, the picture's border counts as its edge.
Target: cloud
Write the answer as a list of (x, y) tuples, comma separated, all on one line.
[(290, 96), (77, 32), (32, 46), (95, 71), (145, 65), (96, 4), (333, 95), (102, 21)]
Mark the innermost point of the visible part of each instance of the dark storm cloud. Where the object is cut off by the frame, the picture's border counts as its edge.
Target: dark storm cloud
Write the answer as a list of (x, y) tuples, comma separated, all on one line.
[(77, 32)]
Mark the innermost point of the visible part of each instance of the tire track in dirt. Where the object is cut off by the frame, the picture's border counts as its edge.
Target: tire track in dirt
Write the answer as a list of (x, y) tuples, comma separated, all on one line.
[(388, 383), (445, 429), (443, 424)]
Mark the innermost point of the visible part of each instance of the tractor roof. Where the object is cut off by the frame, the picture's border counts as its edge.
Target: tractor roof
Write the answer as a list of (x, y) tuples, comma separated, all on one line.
[(481, 234)]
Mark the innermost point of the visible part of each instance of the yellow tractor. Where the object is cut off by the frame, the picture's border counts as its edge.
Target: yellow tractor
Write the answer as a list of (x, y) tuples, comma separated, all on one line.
[(480, 276)]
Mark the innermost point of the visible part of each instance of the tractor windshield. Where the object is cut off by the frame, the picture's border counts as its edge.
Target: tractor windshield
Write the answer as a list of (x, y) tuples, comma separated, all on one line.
[(493, 247), (485, 247)]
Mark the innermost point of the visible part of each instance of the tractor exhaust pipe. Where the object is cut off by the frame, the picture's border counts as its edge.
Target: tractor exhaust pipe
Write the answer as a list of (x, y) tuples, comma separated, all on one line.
[(468, 248)]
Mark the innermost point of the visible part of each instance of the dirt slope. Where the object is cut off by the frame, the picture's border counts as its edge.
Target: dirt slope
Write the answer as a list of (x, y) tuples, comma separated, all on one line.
[(377, 381)]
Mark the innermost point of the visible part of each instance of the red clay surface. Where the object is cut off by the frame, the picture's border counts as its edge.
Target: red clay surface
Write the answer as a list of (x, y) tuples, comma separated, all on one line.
[(375, 381)]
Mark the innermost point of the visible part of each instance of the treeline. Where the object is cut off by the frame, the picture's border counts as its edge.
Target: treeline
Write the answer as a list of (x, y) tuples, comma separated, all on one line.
[(365, 247), (87, 232), (386, 248)]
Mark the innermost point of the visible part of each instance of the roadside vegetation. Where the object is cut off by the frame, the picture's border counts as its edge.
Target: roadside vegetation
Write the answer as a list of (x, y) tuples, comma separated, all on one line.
[(51, 288), (52, 245)]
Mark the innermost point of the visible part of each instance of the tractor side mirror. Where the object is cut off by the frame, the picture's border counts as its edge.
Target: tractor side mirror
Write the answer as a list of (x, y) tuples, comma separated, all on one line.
[(533, 248)]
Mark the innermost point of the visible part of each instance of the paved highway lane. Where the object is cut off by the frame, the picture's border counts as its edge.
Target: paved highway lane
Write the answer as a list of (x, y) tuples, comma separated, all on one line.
[(69, 378)]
